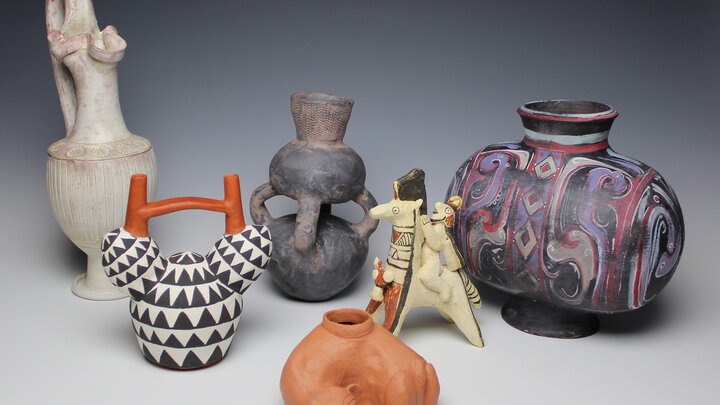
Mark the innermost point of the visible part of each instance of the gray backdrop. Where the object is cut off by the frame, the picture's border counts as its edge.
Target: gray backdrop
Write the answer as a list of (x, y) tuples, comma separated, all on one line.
[(208, 83)]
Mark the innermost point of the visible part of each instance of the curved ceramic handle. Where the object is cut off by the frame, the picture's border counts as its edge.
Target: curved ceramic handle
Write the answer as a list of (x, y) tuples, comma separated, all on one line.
[(139, 210), (306, 223), (367, 225), (258, 211)]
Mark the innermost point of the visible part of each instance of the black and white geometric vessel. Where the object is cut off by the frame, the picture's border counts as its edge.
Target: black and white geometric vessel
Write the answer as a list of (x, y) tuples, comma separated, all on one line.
[(185, 309)]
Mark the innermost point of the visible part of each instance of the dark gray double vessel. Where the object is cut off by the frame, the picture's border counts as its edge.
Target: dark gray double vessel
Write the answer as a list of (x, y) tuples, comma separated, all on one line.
[(316, 254)]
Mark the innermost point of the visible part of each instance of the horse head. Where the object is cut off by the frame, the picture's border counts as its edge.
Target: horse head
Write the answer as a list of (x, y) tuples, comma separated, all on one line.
[(398, 212)]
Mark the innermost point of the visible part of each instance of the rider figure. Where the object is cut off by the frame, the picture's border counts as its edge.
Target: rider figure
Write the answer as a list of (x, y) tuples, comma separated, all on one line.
[(437, 241)]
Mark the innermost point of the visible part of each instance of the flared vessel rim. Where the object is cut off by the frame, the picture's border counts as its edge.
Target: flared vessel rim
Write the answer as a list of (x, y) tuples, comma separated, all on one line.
[(567, 110), (348, 323), (318, 97)]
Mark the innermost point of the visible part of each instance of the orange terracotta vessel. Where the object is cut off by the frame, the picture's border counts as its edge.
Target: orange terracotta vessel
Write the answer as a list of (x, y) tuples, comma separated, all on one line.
[(348, 359)]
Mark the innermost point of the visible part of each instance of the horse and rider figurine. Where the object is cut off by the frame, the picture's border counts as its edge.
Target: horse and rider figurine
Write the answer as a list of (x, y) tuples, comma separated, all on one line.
[(414, 274)]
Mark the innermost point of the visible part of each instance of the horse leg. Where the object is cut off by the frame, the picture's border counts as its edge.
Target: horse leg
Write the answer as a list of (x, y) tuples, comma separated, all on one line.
[(391, 301), (429, 274), (379, 314), (373, 306), (445, 316), (401, 314), (459, 310)]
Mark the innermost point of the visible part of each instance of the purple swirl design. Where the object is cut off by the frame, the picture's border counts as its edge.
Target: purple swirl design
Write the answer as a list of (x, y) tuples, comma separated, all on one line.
[(604, 234), (600, 181), (661, 248)]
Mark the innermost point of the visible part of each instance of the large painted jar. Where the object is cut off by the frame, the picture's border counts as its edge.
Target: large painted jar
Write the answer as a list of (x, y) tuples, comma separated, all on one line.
[(564, 223)]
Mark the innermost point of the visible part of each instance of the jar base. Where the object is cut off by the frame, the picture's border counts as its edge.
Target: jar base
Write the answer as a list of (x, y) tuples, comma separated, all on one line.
[(542, 319), (83, 289)]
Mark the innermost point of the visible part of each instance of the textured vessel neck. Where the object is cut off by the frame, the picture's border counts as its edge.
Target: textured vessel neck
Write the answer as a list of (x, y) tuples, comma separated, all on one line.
[(348, 323), (320, 117), (566, 123), (98, 118)]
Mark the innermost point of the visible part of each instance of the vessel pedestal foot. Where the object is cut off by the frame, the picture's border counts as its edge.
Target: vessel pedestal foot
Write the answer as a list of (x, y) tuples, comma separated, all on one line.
[(538, 318), (94, 284)]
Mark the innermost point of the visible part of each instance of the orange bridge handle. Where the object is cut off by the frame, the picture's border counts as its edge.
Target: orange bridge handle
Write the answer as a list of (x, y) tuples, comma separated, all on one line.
[(139, 211)]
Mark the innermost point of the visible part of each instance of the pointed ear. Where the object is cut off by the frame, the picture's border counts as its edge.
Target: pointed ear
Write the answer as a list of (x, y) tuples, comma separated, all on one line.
[(418, 203), (395, 190)]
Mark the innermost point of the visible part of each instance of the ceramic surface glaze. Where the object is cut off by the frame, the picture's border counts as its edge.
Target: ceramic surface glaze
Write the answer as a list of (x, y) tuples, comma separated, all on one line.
[(348, 359), (562, 218)]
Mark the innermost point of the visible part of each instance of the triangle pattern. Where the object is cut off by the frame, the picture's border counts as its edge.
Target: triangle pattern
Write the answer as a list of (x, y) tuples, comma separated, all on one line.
[(185, 309), (225, 315), (230, 332), (205, 354), (183, 322), (215, 337), (109, 239), (167, 360), (216, 356), (206, 319), (198, 298), (172, 341), (136, 294), (192, 361), (194, 341), (161, 321)]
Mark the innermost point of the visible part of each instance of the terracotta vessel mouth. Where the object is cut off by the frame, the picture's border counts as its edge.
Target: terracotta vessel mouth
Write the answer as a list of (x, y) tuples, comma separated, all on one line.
[(348, 323), (569, 118)]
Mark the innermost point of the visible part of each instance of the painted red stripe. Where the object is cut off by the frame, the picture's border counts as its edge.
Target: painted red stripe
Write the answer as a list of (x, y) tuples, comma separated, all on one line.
[(592, 147)]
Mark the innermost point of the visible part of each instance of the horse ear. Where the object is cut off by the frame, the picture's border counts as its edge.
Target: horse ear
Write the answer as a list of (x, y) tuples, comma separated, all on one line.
[(418, 203)]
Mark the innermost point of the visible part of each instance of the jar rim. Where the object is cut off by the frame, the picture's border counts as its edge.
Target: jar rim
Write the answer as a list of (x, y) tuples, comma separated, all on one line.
[(318, 97), (567, 110), (348, 322)]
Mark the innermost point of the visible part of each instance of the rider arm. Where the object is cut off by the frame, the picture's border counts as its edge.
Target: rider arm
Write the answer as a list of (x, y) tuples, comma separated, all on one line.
[(453, 260), (433, 238)]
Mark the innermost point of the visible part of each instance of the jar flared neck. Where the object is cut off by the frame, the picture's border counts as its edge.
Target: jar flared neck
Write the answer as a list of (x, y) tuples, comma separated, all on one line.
[(98, 116), (320, 117), (348, 323), (567, 123)]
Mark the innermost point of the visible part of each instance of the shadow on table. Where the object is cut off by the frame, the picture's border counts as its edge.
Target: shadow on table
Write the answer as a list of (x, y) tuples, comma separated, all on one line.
[(645, 319), (651, 316)]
